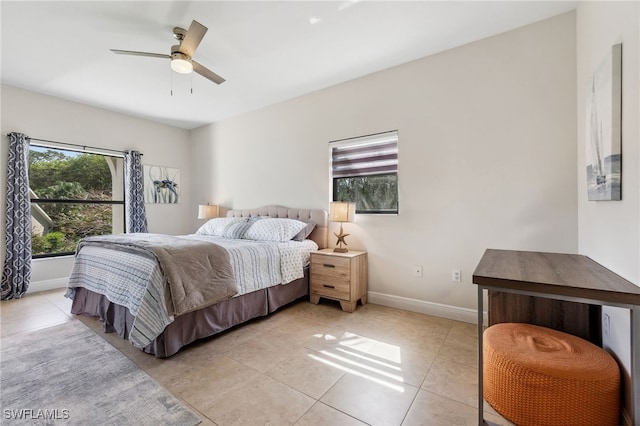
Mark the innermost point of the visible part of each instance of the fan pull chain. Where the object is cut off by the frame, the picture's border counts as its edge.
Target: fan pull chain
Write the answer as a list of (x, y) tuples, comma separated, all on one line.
[(192, 83), (171, 78)]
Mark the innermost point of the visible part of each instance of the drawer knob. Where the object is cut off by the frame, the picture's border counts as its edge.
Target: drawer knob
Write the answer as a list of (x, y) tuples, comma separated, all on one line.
[(328, 265), (328, 286)]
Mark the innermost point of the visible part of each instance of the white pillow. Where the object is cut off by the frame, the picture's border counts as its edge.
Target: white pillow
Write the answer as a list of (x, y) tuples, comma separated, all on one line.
[(272, 229), (217, 226)]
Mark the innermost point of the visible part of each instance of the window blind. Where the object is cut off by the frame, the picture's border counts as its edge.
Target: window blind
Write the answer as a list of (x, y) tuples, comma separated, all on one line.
[(364, 156)]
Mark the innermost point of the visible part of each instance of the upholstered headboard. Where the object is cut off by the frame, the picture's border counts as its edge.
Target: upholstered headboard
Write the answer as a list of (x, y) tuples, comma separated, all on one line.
[(320, 217)]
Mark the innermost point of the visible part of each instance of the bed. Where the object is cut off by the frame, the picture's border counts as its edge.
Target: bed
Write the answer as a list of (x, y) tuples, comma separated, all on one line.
[(238, 305)]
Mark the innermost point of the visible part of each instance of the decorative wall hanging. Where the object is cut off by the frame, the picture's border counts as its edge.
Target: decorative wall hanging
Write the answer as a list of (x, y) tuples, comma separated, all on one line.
[(603, 151), (161, 185)]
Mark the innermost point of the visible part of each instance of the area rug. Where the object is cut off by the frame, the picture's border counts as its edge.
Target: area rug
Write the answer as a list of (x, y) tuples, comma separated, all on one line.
[(68, 375)]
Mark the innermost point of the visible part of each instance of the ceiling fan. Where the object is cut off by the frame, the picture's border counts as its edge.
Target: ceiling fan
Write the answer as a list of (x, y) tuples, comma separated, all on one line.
[(182, 53)]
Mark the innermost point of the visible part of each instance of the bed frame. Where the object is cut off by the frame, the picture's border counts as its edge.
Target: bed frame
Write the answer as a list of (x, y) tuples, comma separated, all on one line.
[(216, 318)]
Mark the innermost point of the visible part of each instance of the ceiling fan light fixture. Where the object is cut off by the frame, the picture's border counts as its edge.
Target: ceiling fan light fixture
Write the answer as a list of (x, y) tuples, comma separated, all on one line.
[(182, 53), (181, 63)]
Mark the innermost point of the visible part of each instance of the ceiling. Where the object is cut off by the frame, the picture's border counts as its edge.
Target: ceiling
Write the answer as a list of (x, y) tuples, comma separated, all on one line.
[(267, 51)]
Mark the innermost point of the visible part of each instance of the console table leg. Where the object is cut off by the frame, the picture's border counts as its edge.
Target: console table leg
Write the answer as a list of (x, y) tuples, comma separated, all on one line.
[(635, 364), (480, 378)]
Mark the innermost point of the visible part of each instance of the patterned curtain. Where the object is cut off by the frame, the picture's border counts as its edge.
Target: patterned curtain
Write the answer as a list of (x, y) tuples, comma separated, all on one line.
[(16, 273), (136, 217)]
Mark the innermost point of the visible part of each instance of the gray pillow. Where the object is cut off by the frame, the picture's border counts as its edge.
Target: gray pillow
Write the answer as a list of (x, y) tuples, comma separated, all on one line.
[(306, 231)]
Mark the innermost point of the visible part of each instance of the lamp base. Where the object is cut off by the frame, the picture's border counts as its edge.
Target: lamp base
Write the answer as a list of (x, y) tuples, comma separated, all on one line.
[(340, 248)]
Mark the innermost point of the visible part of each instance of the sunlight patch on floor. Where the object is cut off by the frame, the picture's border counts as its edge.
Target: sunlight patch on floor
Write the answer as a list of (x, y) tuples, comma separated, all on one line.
[(386, 383), (371, 360), (384, 368)]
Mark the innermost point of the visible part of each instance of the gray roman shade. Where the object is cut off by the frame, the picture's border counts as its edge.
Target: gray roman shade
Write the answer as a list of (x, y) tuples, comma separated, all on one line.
[(367, 155)]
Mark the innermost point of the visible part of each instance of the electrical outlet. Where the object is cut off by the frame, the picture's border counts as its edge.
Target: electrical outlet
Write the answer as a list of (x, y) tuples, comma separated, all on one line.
[(456, 275), (417, 270), (606, 326)]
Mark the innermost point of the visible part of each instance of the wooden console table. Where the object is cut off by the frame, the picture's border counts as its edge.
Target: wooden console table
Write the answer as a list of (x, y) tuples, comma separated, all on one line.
[(567, 277)]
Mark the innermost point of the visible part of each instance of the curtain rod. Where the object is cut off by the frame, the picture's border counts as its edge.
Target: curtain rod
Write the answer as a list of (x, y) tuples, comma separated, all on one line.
[(84, 147)]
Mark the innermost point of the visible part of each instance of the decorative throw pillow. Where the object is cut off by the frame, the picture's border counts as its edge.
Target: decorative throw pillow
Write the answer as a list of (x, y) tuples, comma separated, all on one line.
[(306, 231), (238, 229), (217, 226), (272, 229)]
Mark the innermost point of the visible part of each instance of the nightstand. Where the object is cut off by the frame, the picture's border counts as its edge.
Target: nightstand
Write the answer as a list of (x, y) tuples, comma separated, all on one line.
[(339, 276)]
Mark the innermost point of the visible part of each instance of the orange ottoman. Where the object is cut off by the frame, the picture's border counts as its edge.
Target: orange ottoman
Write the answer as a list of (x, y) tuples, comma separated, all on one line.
[(538, 376)]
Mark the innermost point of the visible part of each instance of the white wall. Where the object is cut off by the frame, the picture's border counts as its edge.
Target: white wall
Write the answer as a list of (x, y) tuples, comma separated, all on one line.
[(609, 231), (46, 117), (487, 158)]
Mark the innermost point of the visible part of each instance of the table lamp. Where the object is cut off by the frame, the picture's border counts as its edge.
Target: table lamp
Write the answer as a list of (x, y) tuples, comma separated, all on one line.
[(207, 211), (340, 211)]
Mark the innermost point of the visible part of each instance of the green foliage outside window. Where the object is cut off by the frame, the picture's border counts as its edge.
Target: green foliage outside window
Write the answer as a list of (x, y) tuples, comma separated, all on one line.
[(372, 194), (80, 190), (53, 242), (51, 168)]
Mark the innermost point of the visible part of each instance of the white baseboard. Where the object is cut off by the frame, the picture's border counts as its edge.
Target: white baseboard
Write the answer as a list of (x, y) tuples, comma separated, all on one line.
[(429, 308), (45, 285)]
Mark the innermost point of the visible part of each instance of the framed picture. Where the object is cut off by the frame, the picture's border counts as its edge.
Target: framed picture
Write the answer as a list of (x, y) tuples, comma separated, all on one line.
[(603, 151), (161, 185)]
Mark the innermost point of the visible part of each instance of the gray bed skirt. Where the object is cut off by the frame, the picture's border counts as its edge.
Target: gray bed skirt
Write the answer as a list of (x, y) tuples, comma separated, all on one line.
[(194, 325)]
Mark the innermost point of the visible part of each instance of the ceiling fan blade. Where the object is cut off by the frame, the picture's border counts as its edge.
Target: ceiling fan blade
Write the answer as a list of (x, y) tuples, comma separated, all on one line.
[(207, 73), (131, 52), (193, 38)]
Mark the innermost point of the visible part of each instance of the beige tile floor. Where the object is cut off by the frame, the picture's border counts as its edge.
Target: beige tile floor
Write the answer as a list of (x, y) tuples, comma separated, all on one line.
[(307, 365)]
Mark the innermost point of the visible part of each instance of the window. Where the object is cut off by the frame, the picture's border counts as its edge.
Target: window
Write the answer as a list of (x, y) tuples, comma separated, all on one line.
[(364, 170), (73, 195)]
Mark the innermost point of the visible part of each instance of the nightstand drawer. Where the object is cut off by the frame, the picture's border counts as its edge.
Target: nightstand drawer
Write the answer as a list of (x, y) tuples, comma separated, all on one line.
[(330, 287), (331, 266)]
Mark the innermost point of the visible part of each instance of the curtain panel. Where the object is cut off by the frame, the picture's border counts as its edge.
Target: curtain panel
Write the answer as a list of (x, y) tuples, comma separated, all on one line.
[(16, 272), (136, 217)]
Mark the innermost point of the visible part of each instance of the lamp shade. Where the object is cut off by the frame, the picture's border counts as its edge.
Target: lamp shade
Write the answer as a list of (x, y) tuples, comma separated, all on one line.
[(340, 211), (207, 211)]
